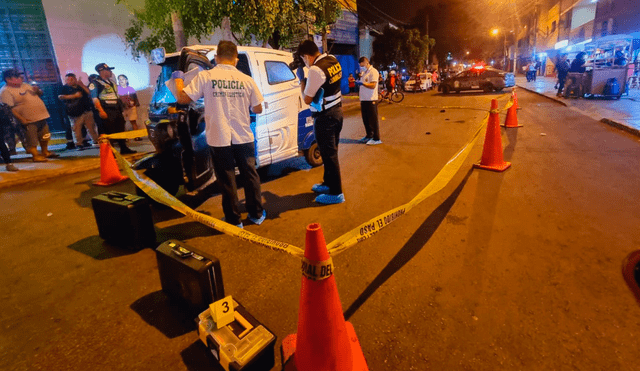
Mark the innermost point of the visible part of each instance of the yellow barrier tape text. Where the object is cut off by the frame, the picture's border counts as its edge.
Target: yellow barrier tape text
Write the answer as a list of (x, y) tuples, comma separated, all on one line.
[(374, 225)]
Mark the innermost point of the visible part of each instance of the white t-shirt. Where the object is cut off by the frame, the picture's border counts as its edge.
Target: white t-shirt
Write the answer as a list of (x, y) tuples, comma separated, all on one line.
[(228, 95), (25, 101), (315, 79), (369, 76)]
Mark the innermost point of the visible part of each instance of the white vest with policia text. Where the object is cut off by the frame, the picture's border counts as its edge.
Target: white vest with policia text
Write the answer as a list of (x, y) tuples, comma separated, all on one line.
[(333, 72)]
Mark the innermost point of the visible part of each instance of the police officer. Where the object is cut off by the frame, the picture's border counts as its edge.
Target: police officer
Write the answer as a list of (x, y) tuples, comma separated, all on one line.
[(228, 96), (322, 90), (106, 101)]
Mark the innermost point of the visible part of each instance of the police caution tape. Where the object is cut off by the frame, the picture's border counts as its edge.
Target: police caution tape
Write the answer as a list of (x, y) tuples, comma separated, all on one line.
[(128, 134), (373, 226), (160, 195)]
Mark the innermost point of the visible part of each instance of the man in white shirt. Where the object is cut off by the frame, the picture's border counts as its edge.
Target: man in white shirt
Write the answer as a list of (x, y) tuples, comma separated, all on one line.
[(369, 102), (228, 95)]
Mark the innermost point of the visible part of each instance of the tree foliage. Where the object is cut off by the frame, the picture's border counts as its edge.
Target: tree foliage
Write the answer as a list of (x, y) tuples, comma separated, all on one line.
[(265, 20), (396, 45), (320, 14)]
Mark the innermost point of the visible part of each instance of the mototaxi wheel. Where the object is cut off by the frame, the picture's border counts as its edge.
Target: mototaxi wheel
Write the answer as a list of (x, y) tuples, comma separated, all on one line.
[(312, 155)]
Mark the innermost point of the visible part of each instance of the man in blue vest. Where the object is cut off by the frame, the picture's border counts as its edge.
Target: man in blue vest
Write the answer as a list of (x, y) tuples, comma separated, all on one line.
[(322, 90)]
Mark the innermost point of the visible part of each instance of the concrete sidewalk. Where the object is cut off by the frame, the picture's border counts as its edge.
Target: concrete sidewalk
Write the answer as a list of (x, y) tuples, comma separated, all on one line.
[(69, 162), (623, 114), (74, 161)]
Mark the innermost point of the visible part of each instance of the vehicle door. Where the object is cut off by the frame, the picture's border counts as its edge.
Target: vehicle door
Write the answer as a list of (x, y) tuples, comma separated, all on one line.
[(281, 92), (196, 157), (259, 127)]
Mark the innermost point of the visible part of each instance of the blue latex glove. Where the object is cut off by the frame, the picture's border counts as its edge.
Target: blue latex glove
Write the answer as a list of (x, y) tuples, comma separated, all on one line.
[(177, 75), (358, 83), (317, 100), (300, 73)]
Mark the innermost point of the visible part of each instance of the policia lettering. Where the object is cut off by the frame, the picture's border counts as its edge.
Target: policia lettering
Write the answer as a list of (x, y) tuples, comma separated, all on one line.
[(335, 73), (317, 271), (228, 85)]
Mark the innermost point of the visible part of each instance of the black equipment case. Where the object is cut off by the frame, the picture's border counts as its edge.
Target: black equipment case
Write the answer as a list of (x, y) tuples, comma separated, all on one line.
[(124, 220), (189, 275)]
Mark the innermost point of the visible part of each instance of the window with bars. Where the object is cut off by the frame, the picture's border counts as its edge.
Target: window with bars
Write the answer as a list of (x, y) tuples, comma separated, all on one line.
[(25, 44)]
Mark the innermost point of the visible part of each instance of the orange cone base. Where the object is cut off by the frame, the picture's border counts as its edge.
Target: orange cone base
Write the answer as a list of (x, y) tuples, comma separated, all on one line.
[(512, 126), (499, 168), (289, 349)]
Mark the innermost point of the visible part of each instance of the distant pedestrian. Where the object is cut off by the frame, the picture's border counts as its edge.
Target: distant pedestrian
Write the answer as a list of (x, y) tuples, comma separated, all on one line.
[(106, 101), (369, 102), (130, 101), (562, 66), (5, 123), (76, 98), (352, 83), (579, 64), (29, 109)]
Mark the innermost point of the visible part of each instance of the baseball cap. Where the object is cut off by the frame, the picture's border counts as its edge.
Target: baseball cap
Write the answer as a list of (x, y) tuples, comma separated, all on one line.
[(11, 72), (103, 66)]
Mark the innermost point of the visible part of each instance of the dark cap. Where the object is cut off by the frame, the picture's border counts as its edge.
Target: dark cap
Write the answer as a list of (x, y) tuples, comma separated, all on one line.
[(11, 72), (103, 66)]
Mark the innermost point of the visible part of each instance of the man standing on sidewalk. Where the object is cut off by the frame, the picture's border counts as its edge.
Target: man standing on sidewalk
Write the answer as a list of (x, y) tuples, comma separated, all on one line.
[(105, 98), (369, 102), (563, 70), (76, 99), (30, 111)]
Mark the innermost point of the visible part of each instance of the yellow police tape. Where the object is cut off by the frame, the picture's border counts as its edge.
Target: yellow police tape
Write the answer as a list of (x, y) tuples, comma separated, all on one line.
[(340, 244), (160, 195), (128, 134)]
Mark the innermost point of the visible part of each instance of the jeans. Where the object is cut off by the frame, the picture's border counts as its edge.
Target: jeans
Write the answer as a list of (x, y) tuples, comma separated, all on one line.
[(327, 126), (225, 160), (561, 80), (369, 111)]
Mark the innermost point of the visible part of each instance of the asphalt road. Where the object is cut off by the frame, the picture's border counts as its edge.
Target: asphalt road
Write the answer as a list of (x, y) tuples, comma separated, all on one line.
[(499, 271)]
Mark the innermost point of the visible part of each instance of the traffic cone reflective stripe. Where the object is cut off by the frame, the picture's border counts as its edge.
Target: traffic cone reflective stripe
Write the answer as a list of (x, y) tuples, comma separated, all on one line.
[(512, 118), (492, 152), (514, 96), (325, 341), (109, 172)]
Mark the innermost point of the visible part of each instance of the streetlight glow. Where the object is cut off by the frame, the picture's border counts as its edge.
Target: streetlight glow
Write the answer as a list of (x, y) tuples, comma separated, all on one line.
[(495, 31)]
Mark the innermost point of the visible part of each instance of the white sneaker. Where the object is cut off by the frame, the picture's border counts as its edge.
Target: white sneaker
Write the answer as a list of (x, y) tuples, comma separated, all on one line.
[(374, 142)]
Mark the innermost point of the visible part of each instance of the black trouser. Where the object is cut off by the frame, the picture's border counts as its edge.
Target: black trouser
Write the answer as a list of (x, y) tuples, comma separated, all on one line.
[(370, 119), (561, 80), (327, 126), (114, 123), (225, 160), (4, 151)]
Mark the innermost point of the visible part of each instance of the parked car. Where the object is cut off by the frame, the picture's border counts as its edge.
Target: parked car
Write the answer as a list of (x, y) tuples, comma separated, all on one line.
[(483, 78), (282, 131), (425, 82)]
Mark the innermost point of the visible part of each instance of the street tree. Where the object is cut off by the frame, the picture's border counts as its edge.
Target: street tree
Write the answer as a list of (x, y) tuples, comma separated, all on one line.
[(157, 23), (397, 44), (321, 14)]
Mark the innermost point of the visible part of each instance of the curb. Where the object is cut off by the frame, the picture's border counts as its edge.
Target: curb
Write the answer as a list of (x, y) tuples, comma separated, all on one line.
[(623, 127), (542, 95), (62, 172), (612, 123)]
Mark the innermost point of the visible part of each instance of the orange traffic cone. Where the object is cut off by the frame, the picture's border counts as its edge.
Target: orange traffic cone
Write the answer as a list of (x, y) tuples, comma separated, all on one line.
[(109, 172), (492, 151), (512, 118), (514, 96), (631, 273), (325, 341)]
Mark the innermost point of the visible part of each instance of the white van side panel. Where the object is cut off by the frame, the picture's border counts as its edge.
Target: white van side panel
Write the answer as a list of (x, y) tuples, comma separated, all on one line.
[(280, 109)]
